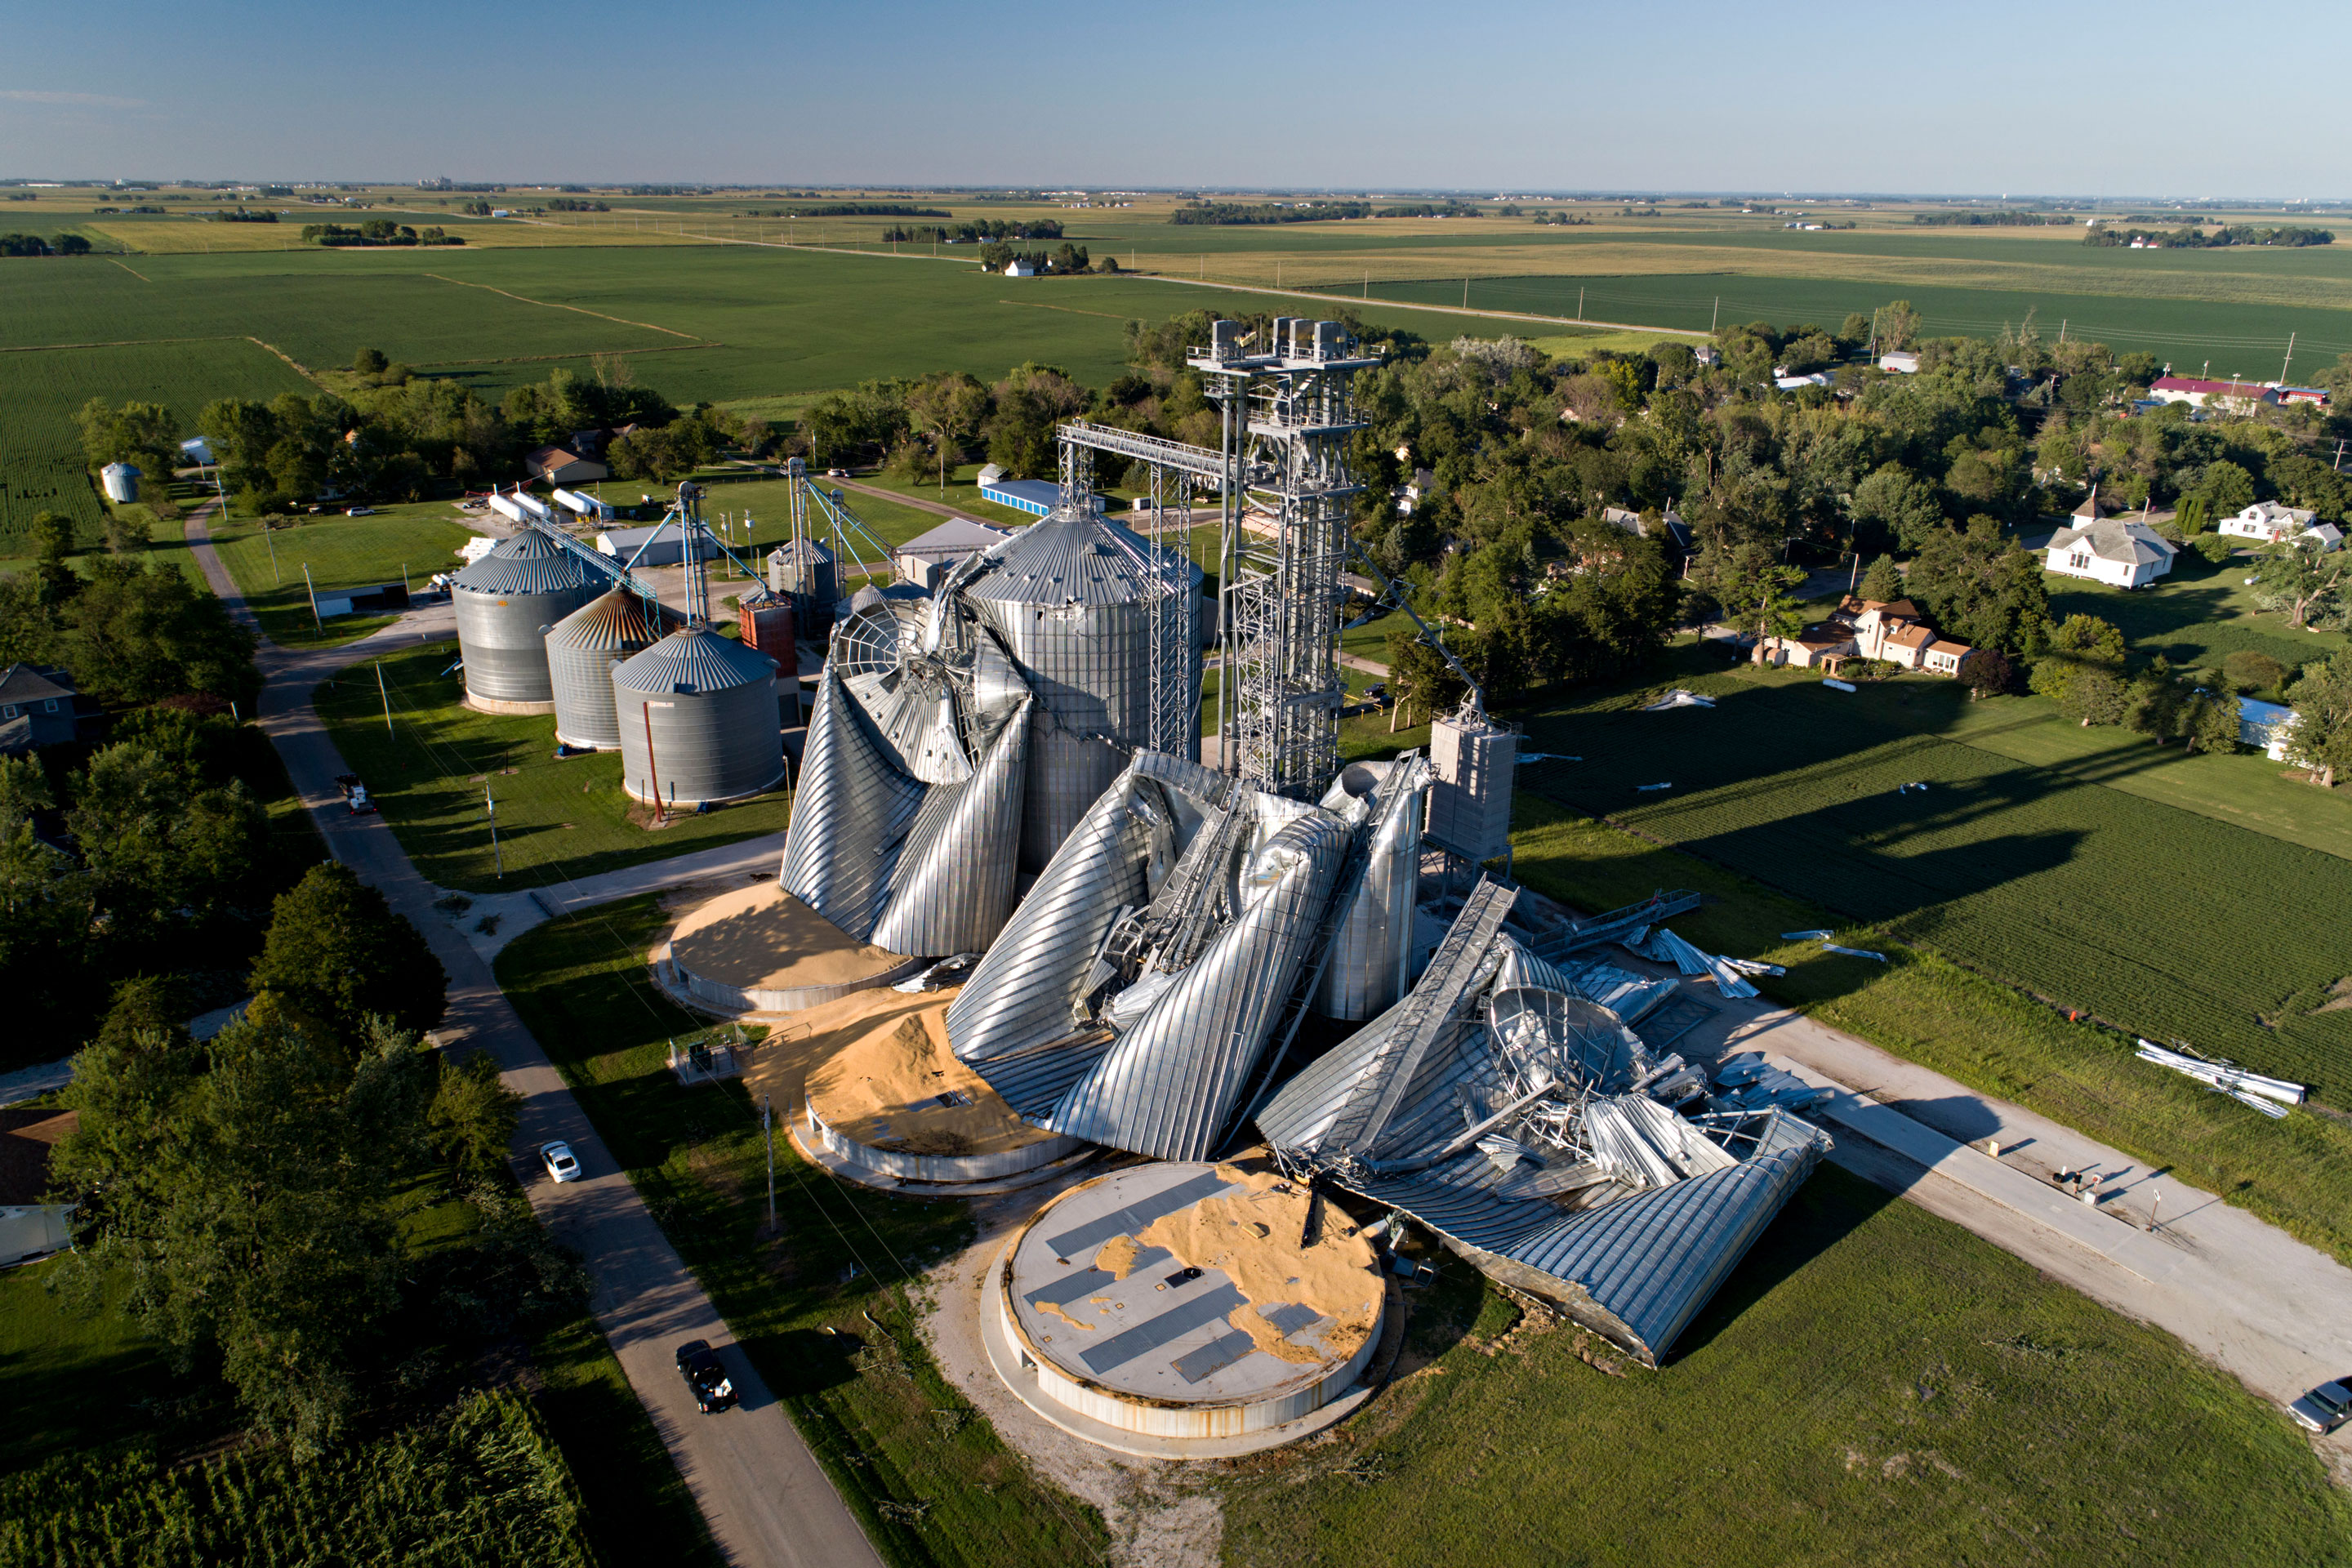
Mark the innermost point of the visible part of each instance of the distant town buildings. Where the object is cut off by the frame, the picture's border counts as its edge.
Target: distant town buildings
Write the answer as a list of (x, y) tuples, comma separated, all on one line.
[(2231, 396)]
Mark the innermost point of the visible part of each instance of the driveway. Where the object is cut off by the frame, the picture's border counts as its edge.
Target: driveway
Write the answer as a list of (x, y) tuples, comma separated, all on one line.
[(763, 1495)]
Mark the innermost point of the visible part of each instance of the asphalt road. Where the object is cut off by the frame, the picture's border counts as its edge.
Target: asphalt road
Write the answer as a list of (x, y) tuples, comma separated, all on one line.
[(763, 1495)]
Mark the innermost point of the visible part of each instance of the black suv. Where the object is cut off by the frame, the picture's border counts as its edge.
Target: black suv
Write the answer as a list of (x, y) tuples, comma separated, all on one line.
[(706, 1375)]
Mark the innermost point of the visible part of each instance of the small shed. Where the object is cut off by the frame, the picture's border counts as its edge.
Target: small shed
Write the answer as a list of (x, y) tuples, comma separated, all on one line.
[(926, 558), (2268, 725), (668, 550)]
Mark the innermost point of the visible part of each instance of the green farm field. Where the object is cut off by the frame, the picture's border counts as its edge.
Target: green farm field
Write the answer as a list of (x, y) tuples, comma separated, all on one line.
[(556, 820), (2157, 918), (41, 462)]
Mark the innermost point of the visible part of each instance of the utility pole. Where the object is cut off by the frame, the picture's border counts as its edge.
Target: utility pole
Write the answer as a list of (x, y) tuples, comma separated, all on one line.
[(490, 810), (2339, 457), (386, 695), (1716, 320), (1579, 302), (2289, 358), (768, 1128), (311, 589)]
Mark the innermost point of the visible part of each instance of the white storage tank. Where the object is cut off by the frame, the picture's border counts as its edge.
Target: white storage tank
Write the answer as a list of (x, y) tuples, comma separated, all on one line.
[(121, 482)]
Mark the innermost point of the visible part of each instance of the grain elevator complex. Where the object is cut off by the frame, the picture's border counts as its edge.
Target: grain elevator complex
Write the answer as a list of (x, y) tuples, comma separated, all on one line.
[(1041, 912)]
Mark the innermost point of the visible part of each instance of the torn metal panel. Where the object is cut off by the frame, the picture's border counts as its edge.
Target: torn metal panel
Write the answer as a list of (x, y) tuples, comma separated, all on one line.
[(1371, 950), (1533, 1130), (1173, 1081), (850, 815), (952, 887)]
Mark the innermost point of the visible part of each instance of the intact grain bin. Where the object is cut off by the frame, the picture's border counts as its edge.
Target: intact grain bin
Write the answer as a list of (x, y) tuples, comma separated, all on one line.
[(581, 653), (803, 573), (1068, 596), (506, 603), (121, 482), (698, 719)]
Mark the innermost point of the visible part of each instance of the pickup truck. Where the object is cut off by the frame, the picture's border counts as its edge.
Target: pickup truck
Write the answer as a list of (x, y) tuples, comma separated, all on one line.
[(356, 795)]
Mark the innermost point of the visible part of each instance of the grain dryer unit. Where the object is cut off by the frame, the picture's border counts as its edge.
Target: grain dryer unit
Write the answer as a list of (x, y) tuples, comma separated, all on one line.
[(1069, 598), (698, 718), (506, 603), (583, 650)]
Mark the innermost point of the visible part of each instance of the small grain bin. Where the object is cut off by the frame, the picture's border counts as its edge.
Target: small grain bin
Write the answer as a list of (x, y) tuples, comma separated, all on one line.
[(698, 719), (506, 603), (121, 482), (581, 653), (804, 574)]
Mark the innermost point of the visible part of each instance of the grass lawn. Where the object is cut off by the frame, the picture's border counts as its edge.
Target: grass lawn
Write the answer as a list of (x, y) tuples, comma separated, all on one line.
[(1874, 1385), (556, 820), (2162, 920), (2197, 615), (820, 1305), (78, 1379), (339, 552)]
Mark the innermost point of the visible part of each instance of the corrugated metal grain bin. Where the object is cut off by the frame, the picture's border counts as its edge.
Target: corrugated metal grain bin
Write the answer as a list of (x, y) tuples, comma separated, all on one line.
[(805, 574), (698, 718), (506, 603), (582, 652), (1470, 801), (1067, 596)]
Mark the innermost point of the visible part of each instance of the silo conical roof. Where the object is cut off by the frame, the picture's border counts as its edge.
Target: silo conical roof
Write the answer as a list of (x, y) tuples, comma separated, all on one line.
[(1069, 556), (529, 562), (695, 659), (617, 622)]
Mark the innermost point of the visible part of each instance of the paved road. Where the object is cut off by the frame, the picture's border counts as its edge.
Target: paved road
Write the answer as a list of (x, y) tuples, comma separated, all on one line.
[(765, 1498), (2269, 1309)]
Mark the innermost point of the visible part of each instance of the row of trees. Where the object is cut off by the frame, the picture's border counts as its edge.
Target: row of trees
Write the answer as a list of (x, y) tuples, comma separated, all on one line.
[(247, 1189), (36, 245)]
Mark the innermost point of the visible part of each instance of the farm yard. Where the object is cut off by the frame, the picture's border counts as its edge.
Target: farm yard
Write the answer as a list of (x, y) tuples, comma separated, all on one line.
[(400, 543), (556, 820), (2159, 920)]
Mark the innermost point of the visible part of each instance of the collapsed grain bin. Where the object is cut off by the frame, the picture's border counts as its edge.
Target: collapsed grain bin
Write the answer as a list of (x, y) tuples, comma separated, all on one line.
[(582, 652), (1071, 598), (506, 603), (1168, 1303), (697, 713)]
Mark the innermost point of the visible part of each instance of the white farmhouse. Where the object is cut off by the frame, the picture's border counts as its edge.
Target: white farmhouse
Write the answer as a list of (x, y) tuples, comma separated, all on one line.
[(2267, 523), (2120, 551), (1016, 267)]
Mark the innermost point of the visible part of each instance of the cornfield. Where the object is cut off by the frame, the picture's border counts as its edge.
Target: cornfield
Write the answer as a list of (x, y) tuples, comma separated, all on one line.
[(483, 1487)]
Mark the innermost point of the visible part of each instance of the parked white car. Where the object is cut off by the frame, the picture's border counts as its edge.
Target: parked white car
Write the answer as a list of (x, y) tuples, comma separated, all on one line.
[(560, 1164)]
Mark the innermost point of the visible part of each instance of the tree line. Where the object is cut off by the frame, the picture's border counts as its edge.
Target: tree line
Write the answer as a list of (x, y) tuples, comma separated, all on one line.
[(2194, 238), (980, 231)]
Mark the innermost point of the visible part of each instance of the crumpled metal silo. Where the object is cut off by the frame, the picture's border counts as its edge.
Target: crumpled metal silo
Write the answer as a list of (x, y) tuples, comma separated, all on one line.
[(1522, 1121), (505, 604), (699, 722), (1133, 996), (1372, 948), (908, 819), (1069, 597), (581, 653)]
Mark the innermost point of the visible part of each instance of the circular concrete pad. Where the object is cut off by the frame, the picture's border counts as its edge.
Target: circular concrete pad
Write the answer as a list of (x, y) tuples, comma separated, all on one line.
[(762, 950), (1177, 1302)]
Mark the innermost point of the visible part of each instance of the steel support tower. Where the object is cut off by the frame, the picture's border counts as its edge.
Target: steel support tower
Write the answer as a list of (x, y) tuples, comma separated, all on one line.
[(1286, 491)]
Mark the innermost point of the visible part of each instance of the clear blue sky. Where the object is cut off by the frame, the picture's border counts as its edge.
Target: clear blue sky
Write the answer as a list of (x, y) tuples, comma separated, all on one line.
[(2160, 97)]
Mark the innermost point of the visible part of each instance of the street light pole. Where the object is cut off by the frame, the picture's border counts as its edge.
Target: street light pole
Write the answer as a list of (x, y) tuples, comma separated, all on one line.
[(768, 1128)]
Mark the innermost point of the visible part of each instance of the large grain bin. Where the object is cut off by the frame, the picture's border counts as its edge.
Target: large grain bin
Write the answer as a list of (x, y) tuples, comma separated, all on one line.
[(698, 719), (506, 603), (1068, 597), (581, 654)]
